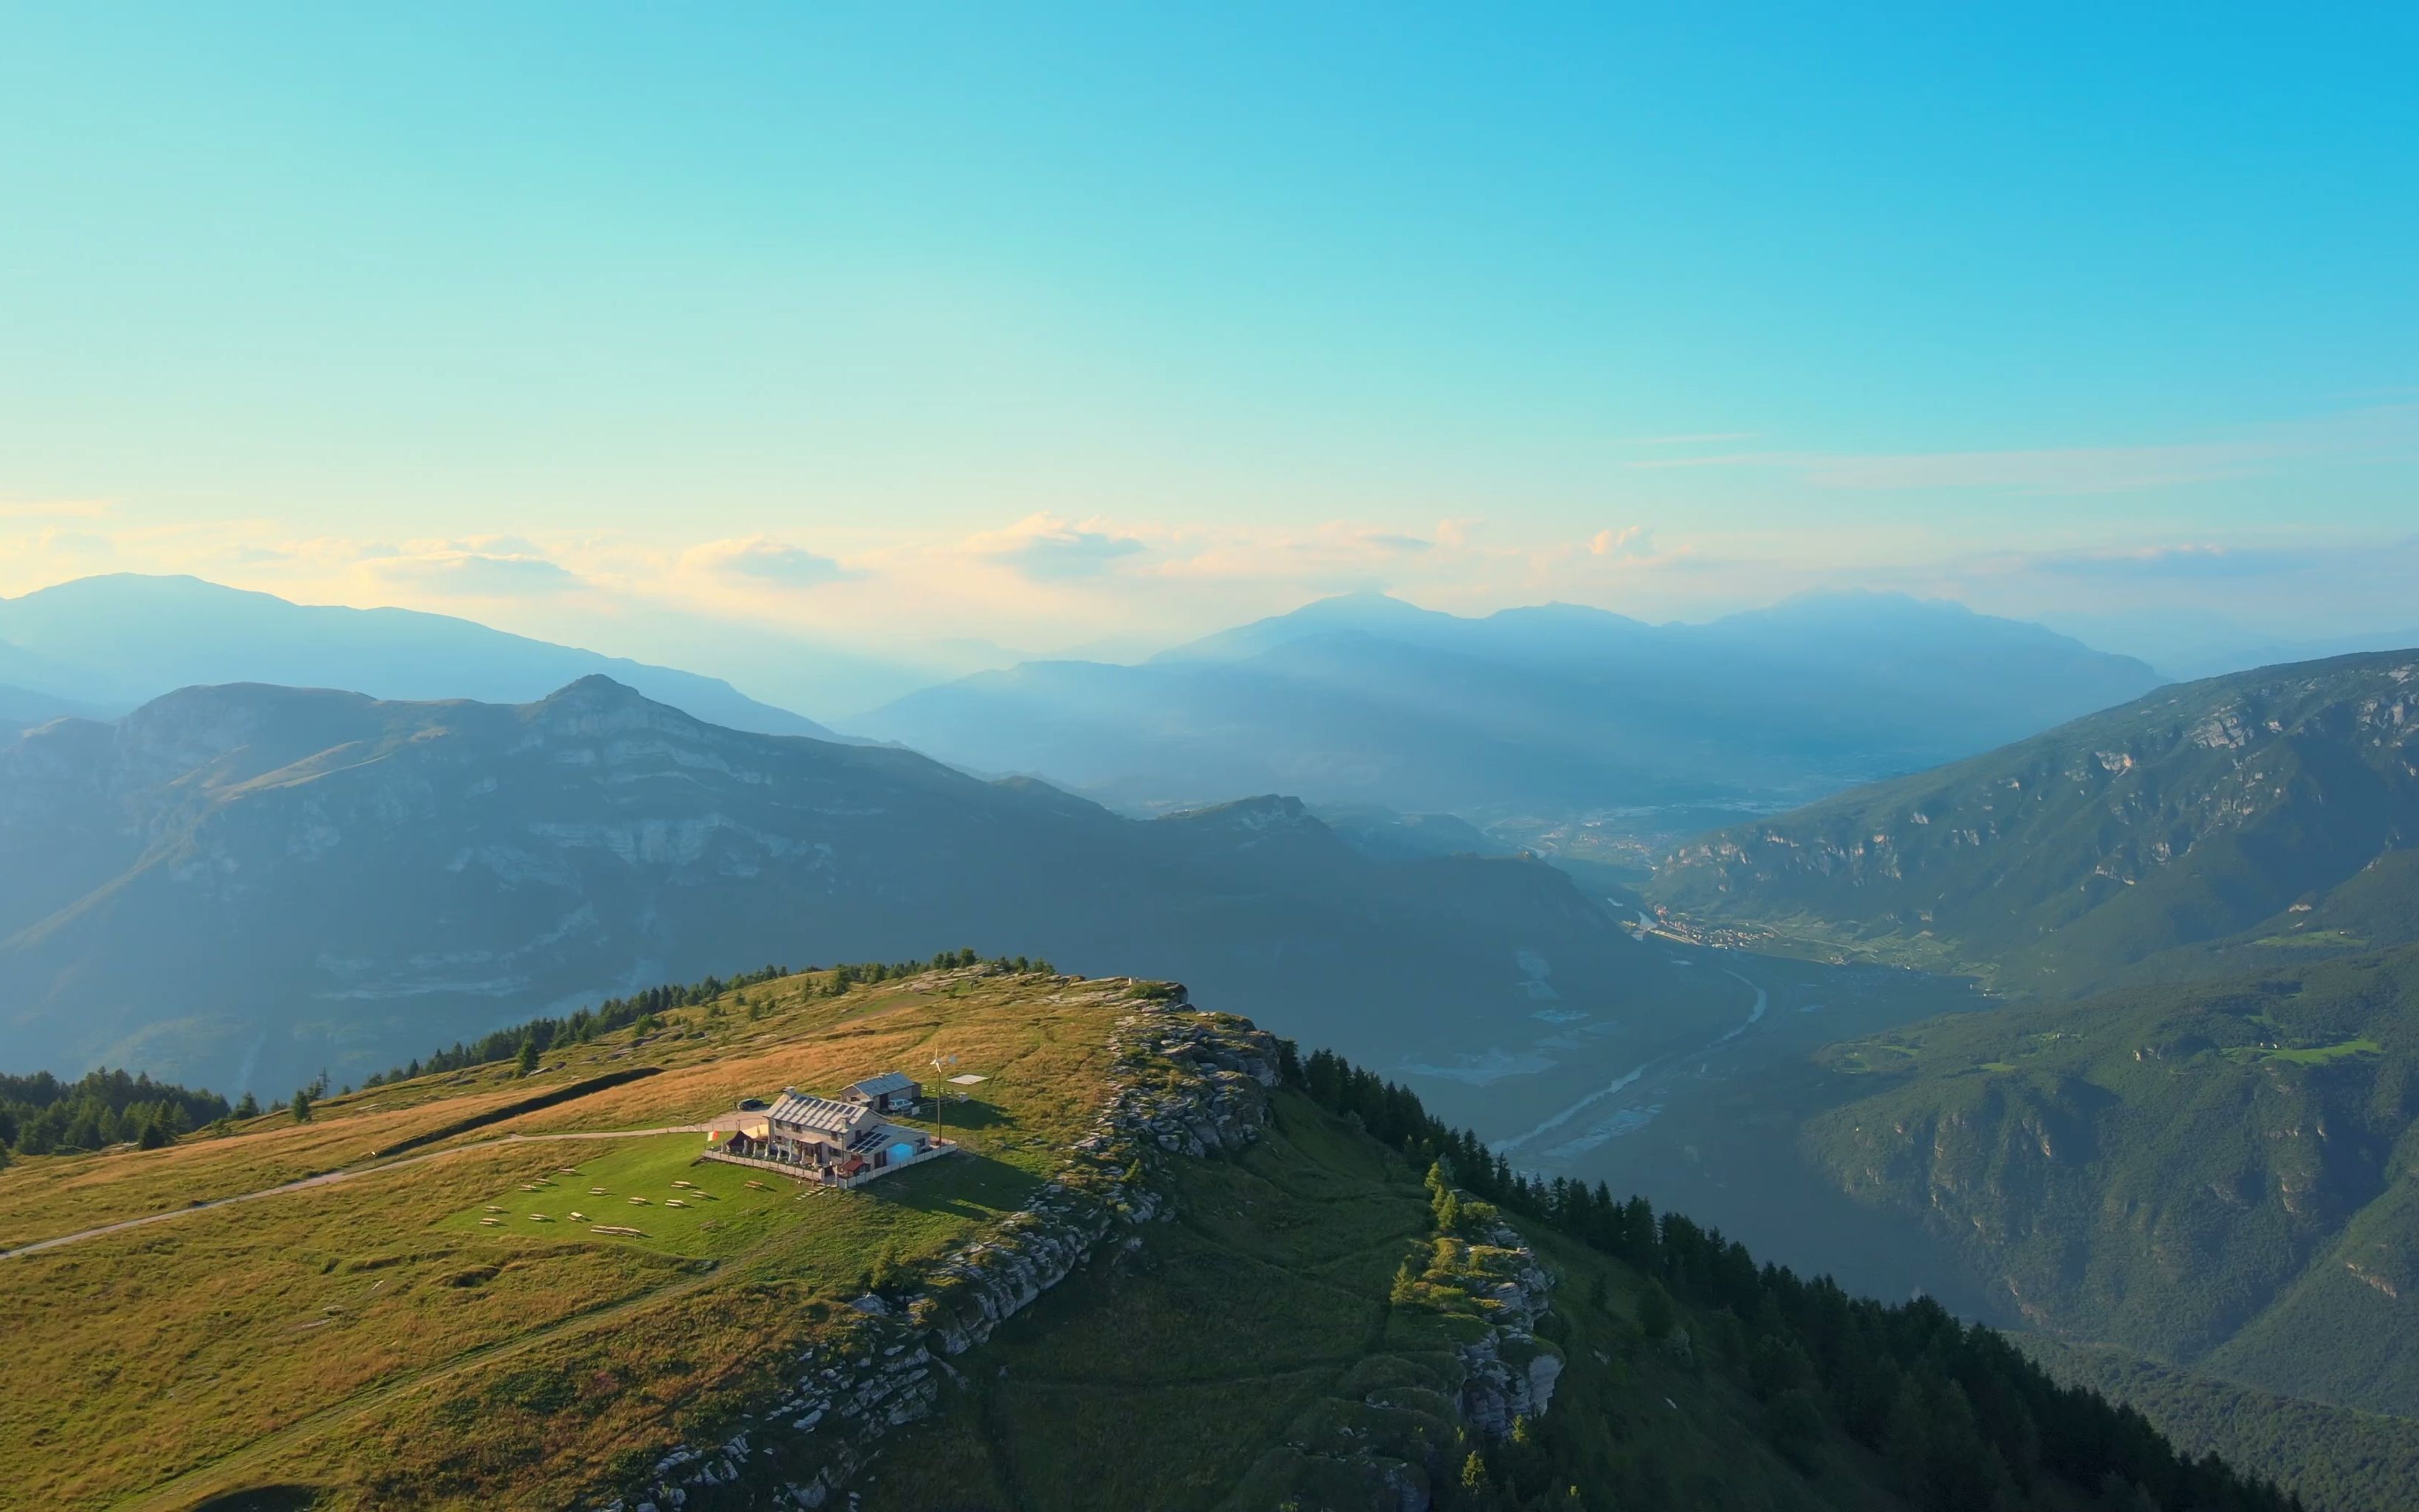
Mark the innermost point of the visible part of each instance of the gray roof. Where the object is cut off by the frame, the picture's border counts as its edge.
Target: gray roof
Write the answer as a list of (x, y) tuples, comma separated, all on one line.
[(889, 1081), (820, 1113)]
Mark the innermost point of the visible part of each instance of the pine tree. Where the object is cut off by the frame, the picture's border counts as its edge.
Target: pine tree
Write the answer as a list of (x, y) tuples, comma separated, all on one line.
[(527, 1061), (1793, 1422), (1654, 1315), (1474, 1484), (301, 1105)]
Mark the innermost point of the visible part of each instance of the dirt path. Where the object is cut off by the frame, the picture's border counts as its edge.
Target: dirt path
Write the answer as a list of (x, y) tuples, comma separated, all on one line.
[(331, 1179)]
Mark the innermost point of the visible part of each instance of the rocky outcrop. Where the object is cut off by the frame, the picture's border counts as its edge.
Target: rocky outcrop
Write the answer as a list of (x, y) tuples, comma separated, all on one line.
[(1510, 1374), (1184, 1083), (2197, 812), (1399, 1423)]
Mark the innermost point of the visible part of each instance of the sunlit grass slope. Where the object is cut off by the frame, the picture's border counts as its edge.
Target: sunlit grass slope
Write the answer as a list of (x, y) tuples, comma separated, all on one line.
[(381, 1341)]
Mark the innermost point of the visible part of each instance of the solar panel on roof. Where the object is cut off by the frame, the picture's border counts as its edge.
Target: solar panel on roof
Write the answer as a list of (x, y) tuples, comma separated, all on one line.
[(819, 1113)]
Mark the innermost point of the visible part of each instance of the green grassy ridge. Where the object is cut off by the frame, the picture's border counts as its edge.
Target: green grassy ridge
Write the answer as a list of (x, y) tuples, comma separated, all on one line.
[(2207, 1174), (1248, 1357), (2334, 1458), (1220, 1366), (2212, 825), (1962, 1418), (377, 1343)]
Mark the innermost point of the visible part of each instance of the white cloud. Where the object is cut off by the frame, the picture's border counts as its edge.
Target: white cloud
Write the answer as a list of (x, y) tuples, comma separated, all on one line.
[(763, 560), (1049, 549), (474, 574), (1629, 541)]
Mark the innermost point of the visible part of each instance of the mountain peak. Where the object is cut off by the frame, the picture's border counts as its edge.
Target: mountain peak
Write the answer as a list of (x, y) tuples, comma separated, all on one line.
[(596, 702), (1253, 819), (1368, 611), (595, 688), (1258, 811)]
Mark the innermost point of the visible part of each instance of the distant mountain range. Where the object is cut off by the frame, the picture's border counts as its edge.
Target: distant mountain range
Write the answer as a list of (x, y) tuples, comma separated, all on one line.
[(2265, 818), (237, 886), (21, 708), (1366, 698), (107, 644)]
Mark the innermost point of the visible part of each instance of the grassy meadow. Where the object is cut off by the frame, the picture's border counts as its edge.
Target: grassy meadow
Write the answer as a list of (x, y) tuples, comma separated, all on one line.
[(376, 1339)]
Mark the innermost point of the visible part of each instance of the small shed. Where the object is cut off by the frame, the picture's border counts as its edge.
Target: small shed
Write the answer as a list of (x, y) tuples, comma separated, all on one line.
[(890, 1092)]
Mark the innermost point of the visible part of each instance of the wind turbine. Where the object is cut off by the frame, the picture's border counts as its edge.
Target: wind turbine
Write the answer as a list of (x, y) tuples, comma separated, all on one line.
[(940, 1096)]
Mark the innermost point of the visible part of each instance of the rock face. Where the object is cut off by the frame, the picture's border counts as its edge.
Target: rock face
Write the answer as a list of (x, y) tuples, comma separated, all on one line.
[(1186, 1083), (1510, 1375), (1397, 1425), (2277, 802)]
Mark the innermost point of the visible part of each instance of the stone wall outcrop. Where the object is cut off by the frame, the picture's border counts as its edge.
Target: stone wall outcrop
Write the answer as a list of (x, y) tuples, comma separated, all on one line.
[(1509, 1373), (1183, 1084)]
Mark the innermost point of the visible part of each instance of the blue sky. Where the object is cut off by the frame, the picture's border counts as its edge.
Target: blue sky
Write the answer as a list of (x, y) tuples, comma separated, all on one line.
[(1065, 325)]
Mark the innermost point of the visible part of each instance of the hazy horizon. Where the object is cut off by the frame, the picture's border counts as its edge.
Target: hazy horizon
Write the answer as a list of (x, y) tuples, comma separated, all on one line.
[(838, 690), (763, 333)]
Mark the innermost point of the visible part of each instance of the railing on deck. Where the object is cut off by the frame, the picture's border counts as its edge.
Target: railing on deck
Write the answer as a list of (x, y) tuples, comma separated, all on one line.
[(819, 1175)]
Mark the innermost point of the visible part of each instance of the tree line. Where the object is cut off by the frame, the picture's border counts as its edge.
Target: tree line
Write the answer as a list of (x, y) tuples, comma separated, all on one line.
[(40, 1114), (530, 1041), (1965, 1419)]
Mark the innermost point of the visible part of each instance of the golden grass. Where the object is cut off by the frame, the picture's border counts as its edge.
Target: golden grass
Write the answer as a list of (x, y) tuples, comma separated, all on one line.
[(386, 1326)]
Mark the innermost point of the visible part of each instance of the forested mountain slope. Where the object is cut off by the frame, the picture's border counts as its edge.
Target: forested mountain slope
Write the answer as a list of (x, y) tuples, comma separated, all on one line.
[(2214, 1174), (240, 886), (2331, 1458), (2258, 819)]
